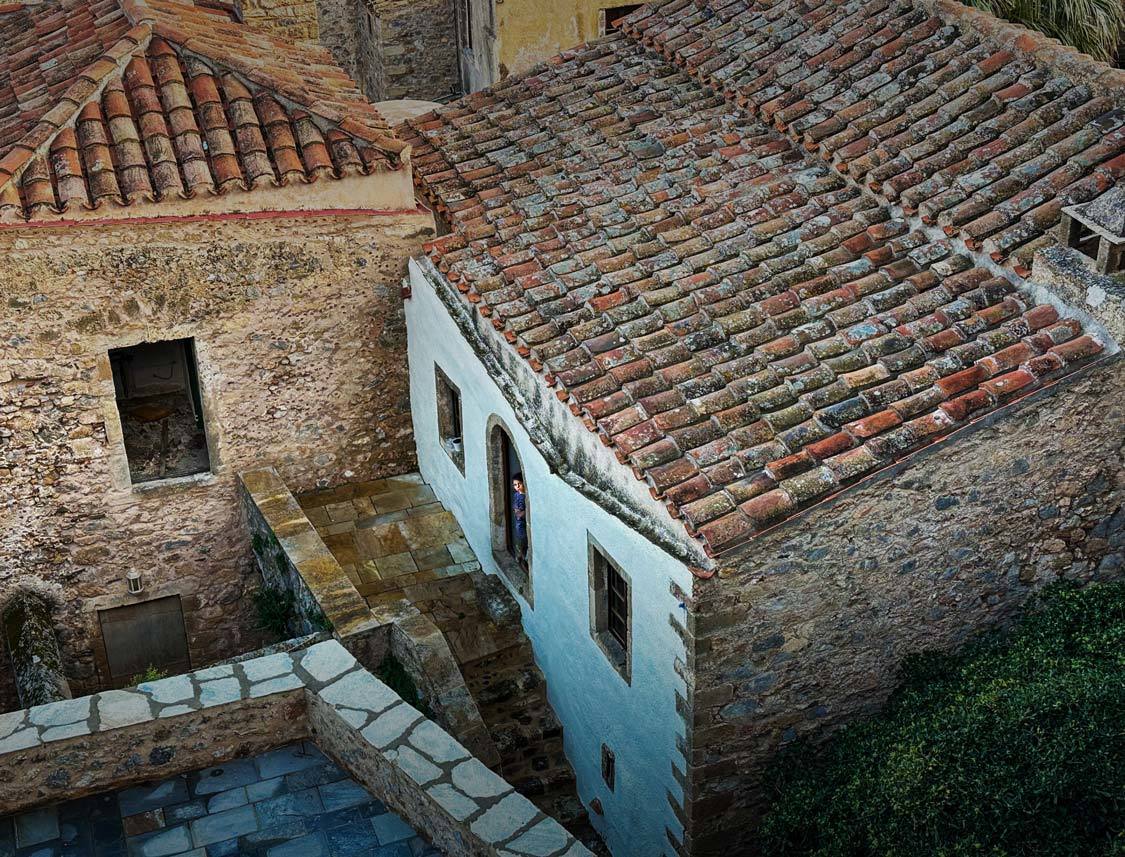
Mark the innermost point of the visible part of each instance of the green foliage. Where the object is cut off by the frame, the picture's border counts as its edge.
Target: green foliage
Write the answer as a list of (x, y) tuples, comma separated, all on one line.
[(319, 621), (394, 675), (1014, 746), (1094, 26), (276, 608), (151, 673)]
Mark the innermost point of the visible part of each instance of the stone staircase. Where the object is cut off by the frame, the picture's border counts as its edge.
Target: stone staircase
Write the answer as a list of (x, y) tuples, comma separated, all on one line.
[(395, 541)]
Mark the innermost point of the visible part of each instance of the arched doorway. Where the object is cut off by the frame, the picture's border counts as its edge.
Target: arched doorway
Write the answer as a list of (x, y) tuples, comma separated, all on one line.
[(510, 508)]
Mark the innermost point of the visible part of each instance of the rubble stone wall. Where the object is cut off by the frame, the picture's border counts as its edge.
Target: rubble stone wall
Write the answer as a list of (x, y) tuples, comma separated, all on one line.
[(300, 339), (394, 48), (418, 41), (293, 19), (806, 628)]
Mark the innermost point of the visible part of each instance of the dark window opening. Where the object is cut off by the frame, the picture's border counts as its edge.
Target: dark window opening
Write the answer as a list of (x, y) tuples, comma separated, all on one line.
[(465, 23), (1083, 239), (450, 430), (609, 767), (143, 635), (510, 510), (618, 619), (615, 15), (611, 620), (161, 410)]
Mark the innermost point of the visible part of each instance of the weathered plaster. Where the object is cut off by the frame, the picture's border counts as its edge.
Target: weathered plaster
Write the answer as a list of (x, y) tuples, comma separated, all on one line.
[(639, 721)]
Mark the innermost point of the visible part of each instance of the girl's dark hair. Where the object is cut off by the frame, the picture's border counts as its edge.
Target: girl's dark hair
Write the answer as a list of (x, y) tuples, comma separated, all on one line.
[(518, 476)]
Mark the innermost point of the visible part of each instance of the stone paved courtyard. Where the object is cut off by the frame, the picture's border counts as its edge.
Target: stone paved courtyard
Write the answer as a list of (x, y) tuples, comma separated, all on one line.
[(289, 802)]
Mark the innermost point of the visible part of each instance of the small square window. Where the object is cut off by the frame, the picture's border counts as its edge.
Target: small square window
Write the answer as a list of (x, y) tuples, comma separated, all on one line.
[(611, 609), (609, 767), (159, 402), (449, 418)]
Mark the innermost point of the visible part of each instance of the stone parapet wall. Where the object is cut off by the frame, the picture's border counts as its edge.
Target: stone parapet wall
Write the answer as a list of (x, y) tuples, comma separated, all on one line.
[(300, 340), (96, 743), (292, 556), (805, 629)]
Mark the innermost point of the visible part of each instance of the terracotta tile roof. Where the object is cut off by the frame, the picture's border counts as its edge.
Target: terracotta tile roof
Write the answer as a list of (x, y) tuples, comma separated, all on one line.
[(979, 126), (746, 326), (184, 102), (43, 48)]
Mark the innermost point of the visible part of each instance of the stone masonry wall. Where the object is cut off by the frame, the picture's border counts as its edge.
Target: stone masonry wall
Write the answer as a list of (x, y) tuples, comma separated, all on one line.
[(806, 628), (301, 348), (76, 747), (394, 48), (293, 19), (419, 48)]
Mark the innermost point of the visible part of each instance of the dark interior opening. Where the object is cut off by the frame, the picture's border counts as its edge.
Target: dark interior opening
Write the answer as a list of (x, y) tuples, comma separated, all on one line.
[(161, 409), (516, 546), (614, 16)]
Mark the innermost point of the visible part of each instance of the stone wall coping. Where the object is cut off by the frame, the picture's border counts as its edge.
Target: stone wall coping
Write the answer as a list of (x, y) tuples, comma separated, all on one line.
[(409, 762), (341, 604)]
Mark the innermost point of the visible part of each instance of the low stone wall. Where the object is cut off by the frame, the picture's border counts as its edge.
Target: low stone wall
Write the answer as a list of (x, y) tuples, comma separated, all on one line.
[(293, 557), (92, 744)]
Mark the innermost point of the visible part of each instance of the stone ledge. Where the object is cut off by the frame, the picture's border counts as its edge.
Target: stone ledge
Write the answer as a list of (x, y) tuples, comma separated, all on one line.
[(75, 747), (317, 580), (313, 574)]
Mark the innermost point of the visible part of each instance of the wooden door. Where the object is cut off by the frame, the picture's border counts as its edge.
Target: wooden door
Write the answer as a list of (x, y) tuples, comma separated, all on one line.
[(149, 633)]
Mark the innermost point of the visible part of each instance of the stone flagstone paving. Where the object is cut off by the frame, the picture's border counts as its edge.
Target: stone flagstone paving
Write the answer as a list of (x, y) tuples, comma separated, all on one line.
[(289, 802)]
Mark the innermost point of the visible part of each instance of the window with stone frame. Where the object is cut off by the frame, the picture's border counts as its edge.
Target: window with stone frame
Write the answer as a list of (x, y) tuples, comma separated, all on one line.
[(465, 23), (449, 425), (611, 609), (159, 401)]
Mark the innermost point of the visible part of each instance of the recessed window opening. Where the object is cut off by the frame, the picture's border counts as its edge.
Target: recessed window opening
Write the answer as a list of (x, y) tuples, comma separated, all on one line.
[(611, 620), (465, 23), (511, 510), (161, 410), (612, 16), (609, 767), (450, 430)]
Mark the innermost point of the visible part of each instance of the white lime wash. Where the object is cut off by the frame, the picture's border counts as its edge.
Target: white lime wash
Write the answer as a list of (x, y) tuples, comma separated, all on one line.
[(636, 719)]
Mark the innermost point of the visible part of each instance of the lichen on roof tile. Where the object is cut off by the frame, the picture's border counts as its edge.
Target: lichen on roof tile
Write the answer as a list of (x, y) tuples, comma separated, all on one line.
[(169, 100), (740, 239)]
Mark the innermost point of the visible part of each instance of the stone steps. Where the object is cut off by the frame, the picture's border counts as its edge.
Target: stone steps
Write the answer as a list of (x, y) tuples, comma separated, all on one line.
[(388, 538)]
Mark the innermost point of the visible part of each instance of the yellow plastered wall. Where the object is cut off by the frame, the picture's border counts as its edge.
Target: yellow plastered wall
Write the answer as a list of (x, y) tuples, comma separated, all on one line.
[(531, 31)]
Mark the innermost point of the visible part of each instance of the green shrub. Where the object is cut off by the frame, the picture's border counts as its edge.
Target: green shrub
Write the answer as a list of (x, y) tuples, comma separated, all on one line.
[(1014, 746), (394, 675), (151, 673), (276, 609)]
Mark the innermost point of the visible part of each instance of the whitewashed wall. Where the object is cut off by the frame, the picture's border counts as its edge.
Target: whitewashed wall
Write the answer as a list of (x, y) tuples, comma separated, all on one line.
[(639, 722)]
